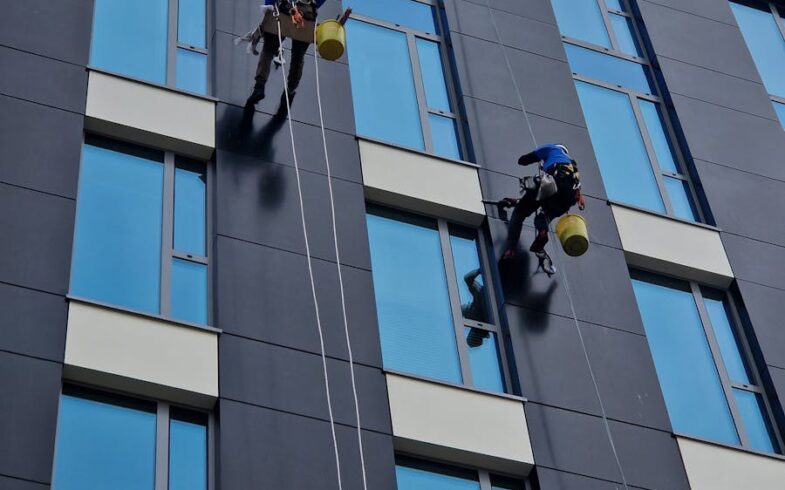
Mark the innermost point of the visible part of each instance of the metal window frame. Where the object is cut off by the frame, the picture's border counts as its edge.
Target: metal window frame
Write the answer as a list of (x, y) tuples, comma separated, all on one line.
[(484, 477), (173, 44), (659, 173), (419, 85)]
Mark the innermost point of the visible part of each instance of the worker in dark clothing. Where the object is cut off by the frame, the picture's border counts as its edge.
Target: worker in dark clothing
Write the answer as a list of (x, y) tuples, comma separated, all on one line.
[(550, 194), (475, 309), (299, 11)]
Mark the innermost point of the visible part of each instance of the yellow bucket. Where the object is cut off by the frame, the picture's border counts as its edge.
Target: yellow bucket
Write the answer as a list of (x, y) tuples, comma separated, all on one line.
[(573, 235), (331, 39)]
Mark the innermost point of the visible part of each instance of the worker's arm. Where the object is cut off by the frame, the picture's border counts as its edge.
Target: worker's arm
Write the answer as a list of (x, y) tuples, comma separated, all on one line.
[(470, 280), (529, 158)]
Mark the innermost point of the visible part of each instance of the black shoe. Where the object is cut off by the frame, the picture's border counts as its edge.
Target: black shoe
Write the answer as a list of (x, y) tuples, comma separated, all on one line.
[(476, 337), (256, 96)]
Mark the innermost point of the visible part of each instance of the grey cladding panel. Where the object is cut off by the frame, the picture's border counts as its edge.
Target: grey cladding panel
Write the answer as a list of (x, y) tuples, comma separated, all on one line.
[(532, 9), (766, 309), (712, 9), (650, 458), (7, 483), (558, 480), (482, 71), (755, 261), (33, 322)]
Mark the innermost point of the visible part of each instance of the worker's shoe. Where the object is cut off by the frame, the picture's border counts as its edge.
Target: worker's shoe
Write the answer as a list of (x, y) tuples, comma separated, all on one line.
[(545, 263), (256, 95), (538, 245)]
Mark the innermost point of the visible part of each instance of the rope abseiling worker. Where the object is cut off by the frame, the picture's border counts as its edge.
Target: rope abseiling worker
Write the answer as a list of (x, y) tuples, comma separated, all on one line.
[(550, 194)]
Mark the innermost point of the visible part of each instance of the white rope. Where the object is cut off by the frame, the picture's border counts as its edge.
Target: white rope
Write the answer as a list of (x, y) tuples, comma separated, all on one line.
[(563, 273), (310, 265), (338, 264)]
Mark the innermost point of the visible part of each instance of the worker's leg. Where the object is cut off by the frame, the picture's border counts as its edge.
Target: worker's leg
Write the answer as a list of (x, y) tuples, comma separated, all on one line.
[(299, 49), (269, 50), (541, 222), (525, 207)]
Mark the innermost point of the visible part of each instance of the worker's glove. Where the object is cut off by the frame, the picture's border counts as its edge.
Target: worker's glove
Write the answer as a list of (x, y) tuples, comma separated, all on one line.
[(581, 200), (297, 18), (509, 202)]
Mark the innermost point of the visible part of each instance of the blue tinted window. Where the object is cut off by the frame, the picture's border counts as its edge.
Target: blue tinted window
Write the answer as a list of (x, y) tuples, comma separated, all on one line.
[(484, 359), (189, 291), (755, 422), (417, 479), (407, 13), (471, 283), (780, 109), (608, 68), (433, 75), (102, 446), (444, 136), (187, 456), (385, 102), (581, 19), (191, 18), (621, 153), (723, 331), (680, 200), (659, 139), (192, 71), (117, 245), (766, 44), (189, 209), (624, 34), (614, 4), (412, 301), (688, 376), (130, 37)]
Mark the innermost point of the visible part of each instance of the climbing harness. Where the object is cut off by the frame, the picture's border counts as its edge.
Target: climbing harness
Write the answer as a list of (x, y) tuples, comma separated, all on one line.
[(563, 273)]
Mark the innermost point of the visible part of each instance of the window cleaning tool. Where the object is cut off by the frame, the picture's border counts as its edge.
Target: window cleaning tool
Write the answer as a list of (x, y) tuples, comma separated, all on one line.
[(573, 234)]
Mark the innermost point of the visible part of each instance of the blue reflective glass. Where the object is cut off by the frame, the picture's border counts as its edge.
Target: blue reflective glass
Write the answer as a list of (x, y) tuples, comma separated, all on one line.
[(690, 384), (189, 209), (187, 456), (607, 68), (130, 37), (444, 136), (756, 425), (192, 71), (417, 479), (780, 110), (433, 75), (189, 291), (624, 34), (407, 13), (624, 164), (680, 200), (656, 129), (729, 347), (101, 446), (385, 102), (191, 19), (614, 4), (581, 19), (765, 43), (484, 359), (471, 282), (117, 245), (412, 302)]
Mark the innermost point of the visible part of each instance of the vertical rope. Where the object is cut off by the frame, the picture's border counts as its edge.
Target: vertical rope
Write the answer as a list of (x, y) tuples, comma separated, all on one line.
[(563, 273)]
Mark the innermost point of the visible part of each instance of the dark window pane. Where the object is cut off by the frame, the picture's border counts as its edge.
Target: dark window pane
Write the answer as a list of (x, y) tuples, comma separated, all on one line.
[(471, 281), (433, 75), (445, 138), (766, 44), (117, 245), (729, 347), (189, 291), (780, 110), (656, 129), (385, 103), (607, 68), (680, 200), (582, 20), (614, 4), (412, 302), (192, 71), (407, 13), (130, 37), (187, 456), (621, 153), (189, 208), (102, 446), (756, 423), (191, 18), (417, 479), (484, 359), (688, 376), (624, 34)]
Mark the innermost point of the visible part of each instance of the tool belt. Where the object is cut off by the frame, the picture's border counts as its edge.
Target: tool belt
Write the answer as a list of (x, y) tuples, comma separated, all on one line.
[(288, 29), (546, 184)]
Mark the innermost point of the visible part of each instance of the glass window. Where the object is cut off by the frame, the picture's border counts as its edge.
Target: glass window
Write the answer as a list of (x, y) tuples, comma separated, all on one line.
[(187, 454), (417, 479), (624, 34), (189, 207), (766, 44), (191, 71), (189, 291), (471, 283), (752, 411), (117, 245), (433, 75), (624, 163), (191, 29), (445, 137), (606, 68), (581, 19), (407, 13), (103, 445), (779, 108), (484, 359), (614, 5), (656, 129), (729, 347), (678, 192)]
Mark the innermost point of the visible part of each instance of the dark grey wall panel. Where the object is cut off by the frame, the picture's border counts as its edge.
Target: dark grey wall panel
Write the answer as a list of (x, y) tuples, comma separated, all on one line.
[(16, 484), (469, 18), (38, 230), (40, 147), (650, 458), (711, 9), (532, 9), (766, 309), (549, 479), (28, 416), (755, 261), (493, 129), (33, 322), (482, 71), (59, 30)]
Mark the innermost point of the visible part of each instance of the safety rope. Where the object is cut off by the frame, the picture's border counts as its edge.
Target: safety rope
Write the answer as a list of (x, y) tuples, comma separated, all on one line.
[(562, 269), (309, 258), (338, 265)]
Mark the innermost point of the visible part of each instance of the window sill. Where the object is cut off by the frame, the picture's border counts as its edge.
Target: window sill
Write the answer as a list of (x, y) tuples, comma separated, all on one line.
[(418, 152), (732, 447), (662, 215), (506, 396), (152, 84), (142, 314)]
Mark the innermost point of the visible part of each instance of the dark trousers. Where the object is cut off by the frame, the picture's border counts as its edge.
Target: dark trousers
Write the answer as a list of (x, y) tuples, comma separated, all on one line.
[(269, 50)]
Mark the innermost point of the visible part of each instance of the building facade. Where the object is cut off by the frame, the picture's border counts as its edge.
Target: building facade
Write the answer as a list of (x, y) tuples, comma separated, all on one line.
[(196, 295)]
